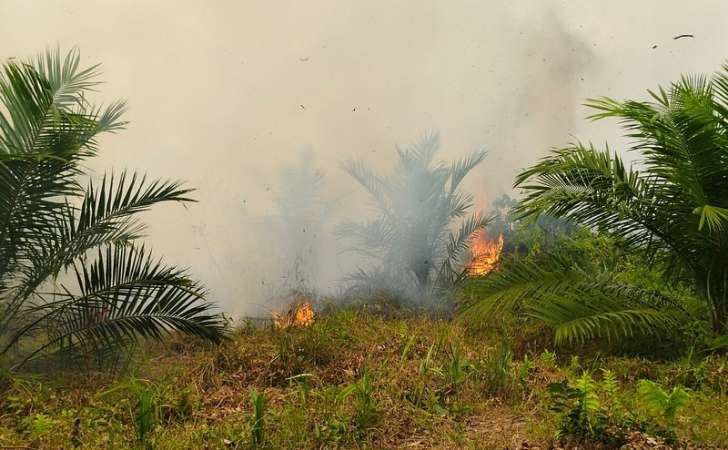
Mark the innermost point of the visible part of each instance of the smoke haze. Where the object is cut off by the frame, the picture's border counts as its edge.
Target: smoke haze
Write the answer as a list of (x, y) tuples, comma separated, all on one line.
[(251, 102)]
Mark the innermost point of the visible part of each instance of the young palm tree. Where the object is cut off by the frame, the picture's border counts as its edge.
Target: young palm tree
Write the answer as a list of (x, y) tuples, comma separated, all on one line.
[(416, 257), (672, 205), (72, 276)]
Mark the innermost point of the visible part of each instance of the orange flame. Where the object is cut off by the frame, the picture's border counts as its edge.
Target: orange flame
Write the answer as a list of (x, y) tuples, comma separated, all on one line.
[(299, 314), (485, 253)]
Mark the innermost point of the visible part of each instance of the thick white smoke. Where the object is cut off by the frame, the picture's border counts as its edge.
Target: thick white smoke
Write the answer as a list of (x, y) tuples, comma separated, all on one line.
[(225, 94)]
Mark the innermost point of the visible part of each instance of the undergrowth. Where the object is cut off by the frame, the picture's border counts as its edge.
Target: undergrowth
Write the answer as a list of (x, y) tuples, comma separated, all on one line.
[(357, 379)]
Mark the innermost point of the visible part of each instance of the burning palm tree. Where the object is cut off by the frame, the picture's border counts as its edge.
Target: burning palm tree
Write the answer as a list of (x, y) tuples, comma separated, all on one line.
[(413, 252)]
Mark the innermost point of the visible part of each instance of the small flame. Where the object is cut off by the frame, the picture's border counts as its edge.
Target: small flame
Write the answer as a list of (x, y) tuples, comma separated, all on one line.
[(485, 253), (299, 314)]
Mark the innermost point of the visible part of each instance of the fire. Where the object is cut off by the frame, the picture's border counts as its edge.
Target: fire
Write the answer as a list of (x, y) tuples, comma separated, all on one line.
[(299, 314), (485, 253)]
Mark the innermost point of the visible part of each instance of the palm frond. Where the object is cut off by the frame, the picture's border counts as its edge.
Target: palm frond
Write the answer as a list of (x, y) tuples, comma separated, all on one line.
[(576, 301), (463, 166), (125, 295), (104, 217), (452, 270)]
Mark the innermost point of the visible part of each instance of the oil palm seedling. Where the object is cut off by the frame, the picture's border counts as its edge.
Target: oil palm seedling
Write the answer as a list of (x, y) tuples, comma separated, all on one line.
[(413, 252), (671, 206), (257, 430), (73, 277)]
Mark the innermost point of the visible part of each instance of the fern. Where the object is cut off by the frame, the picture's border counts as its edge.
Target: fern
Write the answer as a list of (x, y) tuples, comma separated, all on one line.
[(610, 385)]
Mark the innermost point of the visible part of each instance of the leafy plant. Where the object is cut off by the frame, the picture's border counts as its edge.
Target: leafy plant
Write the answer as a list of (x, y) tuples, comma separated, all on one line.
[(456, 369), (142, 398), (37, 425), (416, 258), (524, 237), (145, 417), (674, 211), (55, 234), (498, 370), (180, 406), (610, 385), (427, 370), (580, 407), (257, 430), (362, 390), (333, 431), (548, 358), (660, 402), (524, 370)]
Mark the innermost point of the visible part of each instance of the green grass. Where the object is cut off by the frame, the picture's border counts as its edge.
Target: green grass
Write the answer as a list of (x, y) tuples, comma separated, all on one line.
[(353, 379)]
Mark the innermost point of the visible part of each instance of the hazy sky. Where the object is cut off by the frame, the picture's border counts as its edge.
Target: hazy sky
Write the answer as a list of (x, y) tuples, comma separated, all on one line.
[(223, 93)]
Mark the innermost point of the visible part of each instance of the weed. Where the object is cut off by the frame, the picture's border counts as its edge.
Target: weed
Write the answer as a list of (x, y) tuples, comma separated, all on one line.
[(406, 348), (362, 390), (574, 364), (258, 401), (456, 370), (548, 359), (610, 387), (662, 406), (524, 371), (304, 381), (333, 431), (426, 372), (580, 408), (37, 425), (145, 416), (498, 370)]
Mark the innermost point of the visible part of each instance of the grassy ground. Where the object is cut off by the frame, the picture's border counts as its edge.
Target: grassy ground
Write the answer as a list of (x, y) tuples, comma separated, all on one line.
[(352, 380)]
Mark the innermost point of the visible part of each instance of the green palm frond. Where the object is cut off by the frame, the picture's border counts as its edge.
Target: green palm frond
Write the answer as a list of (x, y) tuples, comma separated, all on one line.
[(125, 295), (597, 316), (506, 290), (50, 224), (577, 301), (105, 216)]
